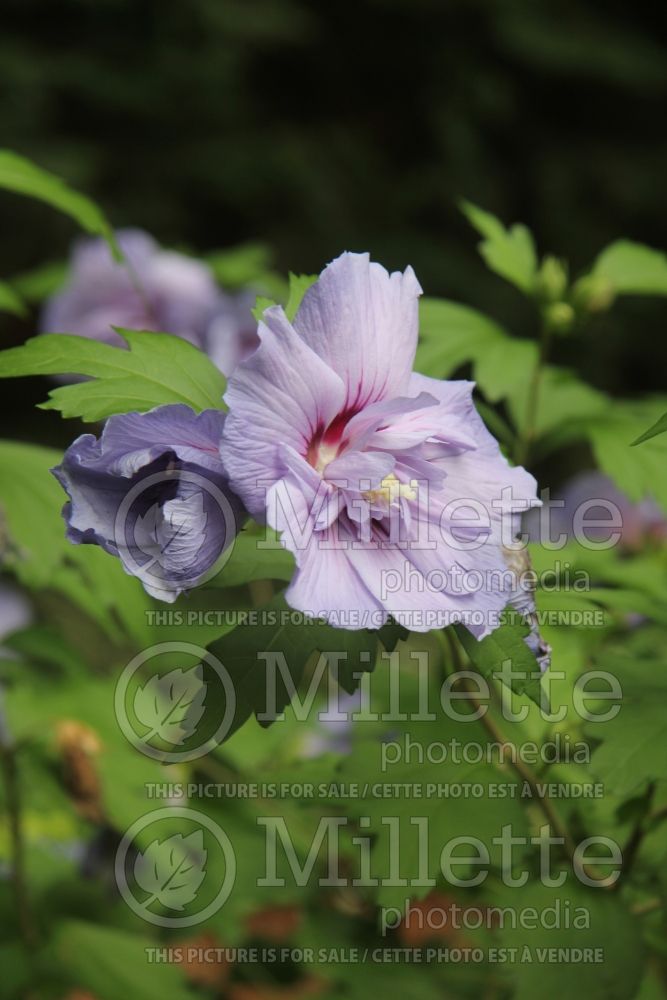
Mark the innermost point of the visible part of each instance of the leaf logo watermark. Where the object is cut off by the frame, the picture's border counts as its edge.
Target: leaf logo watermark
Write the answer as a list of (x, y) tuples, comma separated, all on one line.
[(172, 871), (175, 867), (170, 706)]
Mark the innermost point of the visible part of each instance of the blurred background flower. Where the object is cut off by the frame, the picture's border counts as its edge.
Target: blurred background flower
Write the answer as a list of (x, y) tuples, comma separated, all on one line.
[(153, 289), (15, 610), (594, 497)]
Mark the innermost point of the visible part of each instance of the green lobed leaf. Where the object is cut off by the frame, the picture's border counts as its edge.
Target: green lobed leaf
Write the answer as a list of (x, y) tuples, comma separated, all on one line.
[(638, 472), (508, 252), (505, 643), (452, 334), (298, 286), (21, 176), (158, 368), (278, 628), (261, 305)]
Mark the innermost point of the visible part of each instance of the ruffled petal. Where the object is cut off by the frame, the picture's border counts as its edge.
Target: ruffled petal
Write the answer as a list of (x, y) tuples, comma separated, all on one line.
[(328, 586), (283, 394)]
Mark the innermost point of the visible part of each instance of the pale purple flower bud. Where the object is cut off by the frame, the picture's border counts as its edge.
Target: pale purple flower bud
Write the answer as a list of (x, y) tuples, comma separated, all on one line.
[(152, 491)]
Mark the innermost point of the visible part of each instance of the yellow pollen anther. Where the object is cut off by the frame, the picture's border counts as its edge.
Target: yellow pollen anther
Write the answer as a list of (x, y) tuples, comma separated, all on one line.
[(391, 490)]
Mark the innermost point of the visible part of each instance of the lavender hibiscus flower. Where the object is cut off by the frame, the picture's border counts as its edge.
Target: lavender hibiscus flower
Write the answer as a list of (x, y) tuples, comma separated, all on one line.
[(385, 484), (152, 491)]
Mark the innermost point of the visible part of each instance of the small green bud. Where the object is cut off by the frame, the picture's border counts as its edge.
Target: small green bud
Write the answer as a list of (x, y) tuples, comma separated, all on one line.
[(552, 279), (593, 293), (559, 317)]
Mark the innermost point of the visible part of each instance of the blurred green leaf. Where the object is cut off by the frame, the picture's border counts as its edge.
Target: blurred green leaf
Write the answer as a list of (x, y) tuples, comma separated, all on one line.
[(632, 268), (541, 969), (565, 403), (634, 741), (298, 286), (36, 285), (40, 645), (508, 252), (23, 177), (471, 816), (113, 963), (639, 472), (11, 301), (36, 550), (30, 505), (41, 701), (17, 969), (236, 267), (159, 368), (249, 561), (503, 366), (247, 266)]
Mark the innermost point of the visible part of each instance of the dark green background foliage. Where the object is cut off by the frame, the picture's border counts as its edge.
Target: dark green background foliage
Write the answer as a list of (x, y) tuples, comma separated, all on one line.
[(324, 126), (310, 128)]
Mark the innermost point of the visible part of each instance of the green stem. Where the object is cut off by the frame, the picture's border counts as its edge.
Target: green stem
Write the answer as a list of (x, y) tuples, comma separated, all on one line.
[(10, 778), (527, 434)]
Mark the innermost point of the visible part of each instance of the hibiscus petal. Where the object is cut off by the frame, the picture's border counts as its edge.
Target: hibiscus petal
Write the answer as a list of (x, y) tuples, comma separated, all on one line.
[(367, 428), (132, 440), (363, 322)]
